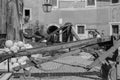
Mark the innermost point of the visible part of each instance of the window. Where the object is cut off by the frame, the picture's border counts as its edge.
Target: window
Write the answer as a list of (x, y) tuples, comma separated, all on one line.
[(91, 3), (104, 0), (115, 29), (80, 29), (70, 4), (115, 1), (27, 15), (27, 12), (54, 3)]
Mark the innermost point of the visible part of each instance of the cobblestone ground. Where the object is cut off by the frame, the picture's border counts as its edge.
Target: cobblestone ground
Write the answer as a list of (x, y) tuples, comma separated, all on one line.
[(55, 71)]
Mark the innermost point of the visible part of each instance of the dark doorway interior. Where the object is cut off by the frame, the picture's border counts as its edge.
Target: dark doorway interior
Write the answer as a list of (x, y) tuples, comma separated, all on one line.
[(52, 29), (115, 29), (115, 1), (54, 38), (27, 12)]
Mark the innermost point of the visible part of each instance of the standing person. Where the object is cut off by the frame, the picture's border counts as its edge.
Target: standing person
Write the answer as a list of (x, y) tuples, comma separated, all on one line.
[(27, 33), (102, 33), (90, 35), (26, 19), (98, 35), (38, 29)]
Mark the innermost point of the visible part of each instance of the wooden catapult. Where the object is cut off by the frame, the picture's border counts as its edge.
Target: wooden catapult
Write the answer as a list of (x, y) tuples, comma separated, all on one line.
[(104, 50)]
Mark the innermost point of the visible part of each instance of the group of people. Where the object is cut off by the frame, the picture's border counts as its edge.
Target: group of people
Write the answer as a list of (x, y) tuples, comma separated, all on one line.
[(95, 34), (29, 30), (35, 32)]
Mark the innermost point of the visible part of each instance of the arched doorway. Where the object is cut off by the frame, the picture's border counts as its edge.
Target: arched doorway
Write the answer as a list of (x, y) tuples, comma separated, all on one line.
[(51, 29), (54, 38)]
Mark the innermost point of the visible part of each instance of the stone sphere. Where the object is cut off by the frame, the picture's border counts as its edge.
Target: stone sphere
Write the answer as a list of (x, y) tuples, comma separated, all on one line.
[(9, 43), (20, 44), (14, 49)]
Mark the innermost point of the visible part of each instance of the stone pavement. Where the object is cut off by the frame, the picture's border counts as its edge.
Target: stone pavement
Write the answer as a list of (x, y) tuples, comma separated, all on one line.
[(56, 71)]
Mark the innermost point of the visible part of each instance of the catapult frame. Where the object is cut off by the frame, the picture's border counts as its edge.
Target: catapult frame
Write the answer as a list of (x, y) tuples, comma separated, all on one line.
[(104, 49), (109, 53)]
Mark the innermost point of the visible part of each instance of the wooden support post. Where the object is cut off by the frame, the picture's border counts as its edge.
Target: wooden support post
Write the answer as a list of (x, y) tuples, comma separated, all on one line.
[(8, 62)]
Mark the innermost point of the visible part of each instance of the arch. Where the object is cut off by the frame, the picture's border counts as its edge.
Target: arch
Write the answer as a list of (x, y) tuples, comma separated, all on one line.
[(52, 28), (54, 38)]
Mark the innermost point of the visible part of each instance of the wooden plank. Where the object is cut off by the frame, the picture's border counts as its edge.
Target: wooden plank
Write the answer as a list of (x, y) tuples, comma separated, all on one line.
[(6, 76), (80, 43)]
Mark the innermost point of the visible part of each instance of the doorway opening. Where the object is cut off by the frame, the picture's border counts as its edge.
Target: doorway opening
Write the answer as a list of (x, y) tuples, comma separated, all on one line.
[(51, 29), (115, 29), (55, 37)]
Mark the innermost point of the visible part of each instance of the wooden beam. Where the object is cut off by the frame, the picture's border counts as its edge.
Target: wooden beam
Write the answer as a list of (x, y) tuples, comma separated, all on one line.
[(104, 55), (39, 50), (6, 76), (80, 43), (75, 34)]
